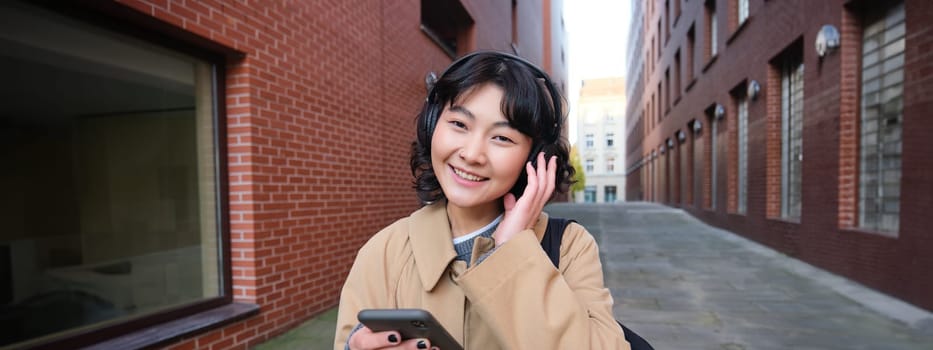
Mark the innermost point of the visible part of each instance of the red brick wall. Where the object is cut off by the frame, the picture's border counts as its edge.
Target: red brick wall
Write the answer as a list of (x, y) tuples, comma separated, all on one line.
[(825, 235), (320, 116)]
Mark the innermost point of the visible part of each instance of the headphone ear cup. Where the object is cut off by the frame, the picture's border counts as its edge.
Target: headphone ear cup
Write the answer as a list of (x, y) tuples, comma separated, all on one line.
[(428, 120), (433, 115)]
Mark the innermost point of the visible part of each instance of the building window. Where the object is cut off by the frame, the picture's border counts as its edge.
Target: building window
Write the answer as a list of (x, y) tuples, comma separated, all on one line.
[(589, 194), (791, 136), (677, 77), (691, 45), (447, 23), (667, 90), (111, 204), (669, 24), (657, 52), (697, 158), (881, 119), (670, 176), (686, 169), (712, 29), (610, 165), (589, 165), (610, 139), (742, 163), (610, 194), (713, 150), (657, 104), (743, 10), (676, 10), (589, 139)]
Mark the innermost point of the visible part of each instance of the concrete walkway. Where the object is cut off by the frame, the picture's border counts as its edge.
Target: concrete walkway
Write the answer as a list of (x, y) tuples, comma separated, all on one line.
[(684, 285)]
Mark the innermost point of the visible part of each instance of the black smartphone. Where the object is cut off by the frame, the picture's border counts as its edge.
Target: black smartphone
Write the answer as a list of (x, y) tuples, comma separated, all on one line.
[(410, 323)]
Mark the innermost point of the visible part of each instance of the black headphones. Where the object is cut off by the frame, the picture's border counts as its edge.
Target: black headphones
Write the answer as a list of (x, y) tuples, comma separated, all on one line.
[(433, 108)]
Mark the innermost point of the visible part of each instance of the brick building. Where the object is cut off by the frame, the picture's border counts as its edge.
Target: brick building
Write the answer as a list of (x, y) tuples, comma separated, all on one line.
[(200, 174), (798, 124)]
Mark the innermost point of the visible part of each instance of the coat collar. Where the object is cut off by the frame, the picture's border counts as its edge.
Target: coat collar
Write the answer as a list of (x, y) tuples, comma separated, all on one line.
[(432, 241)]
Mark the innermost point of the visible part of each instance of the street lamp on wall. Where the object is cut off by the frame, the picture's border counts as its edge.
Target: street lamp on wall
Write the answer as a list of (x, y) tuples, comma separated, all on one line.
[(697, 126), (681, 136), (670, 143), (827, 40), (753, 89), (719, 111)]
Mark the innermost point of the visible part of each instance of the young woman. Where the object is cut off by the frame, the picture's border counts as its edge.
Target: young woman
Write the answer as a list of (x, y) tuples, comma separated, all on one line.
[(488, 157)]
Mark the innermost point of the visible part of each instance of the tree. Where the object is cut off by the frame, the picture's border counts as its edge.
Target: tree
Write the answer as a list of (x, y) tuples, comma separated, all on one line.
[(579, 177)]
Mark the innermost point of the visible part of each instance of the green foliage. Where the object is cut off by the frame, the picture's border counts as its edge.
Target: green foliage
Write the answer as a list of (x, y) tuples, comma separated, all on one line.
[(579, 177)]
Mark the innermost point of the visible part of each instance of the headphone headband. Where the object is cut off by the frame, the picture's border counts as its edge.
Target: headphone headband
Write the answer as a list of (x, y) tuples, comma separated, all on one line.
[(433, 110), (456, 63)]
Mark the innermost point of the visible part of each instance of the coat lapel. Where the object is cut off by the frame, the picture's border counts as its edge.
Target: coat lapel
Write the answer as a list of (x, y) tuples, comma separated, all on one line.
[(432, 247), (431, 243)]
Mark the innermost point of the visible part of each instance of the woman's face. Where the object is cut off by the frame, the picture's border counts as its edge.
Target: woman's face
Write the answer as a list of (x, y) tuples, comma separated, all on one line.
[(476, 155)]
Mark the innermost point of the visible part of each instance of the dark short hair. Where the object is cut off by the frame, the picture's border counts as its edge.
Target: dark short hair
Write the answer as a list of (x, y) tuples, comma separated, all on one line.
[(531, 103)]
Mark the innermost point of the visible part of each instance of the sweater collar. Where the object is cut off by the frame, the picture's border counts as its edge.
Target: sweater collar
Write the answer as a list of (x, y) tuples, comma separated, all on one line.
[(432, 241)]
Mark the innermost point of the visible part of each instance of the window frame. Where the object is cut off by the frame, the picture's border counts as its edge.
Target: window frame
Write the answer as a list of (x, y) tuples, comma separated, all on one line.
[(172, 323), (615, 193), (457, 22), (713, 158), (791, 182), (880, 15), (742, 154), (712, 30)]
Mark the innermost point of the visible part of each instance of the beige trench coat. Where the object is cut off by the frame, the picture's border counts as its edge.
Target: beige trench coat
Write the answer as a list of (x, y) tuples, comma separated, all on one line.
[(514, 299)]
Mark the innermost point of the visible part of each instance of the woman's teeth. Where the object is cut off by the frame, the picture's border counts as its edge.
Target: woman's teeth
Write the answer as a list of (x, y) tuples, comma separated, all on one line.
[(467, 176)]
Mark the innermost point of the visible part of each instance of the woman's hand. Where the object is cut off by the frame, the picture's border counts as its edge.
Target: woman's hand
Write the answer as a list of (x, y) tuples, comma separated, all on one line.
[(523, 213), (366, 339)]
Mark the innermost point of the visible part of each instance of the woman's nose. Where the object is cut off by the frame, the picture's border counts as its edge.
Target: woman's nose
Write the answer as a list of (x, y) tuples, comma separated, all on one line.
[(473, 151)]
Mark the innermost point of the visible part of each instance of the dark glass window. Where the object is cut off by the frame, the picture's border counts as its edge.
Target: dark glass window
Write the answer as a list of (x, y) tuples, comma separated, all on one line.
[(110, 205), (882, 112), (448, 24), (610, 194)]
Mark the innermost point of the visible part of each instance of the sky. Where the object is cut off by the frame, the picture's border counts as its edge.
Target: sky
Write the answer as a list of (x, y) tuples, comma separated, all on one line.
[(597, 37)]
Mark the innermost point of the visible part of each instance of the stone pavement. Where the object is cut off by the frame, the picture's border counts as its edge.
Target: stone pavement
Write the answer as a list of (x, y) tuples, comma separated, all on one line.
[(684, 285)]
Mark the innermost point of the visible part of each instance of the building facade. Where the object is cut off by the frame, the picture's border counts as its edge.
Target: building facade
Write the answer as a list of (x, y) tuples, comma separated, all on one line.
[(798, 124), (600, 140), (200, 174)]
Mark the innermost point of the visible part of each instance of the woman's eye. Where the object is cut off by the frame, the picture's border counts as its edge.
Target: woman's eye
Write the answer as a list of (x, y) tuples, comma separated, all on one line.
[(458, 124), (503, 139)]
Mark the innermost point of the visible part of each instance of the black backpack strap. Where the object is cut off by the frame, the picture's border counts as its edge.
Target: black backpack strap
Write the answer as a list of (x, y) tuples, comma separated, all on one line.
[(634, 340), (552, 237)]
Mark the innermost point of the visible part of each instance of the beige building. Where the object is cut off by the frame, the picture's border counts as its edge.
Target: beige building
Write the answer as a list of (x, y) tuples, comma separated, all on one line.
[(600, 139)]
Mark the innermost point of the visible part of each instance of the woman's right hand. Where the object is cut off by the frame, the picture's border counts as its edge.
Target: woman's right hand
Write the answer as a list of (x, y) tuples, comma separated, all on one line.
[(365, 339), (523, 213)]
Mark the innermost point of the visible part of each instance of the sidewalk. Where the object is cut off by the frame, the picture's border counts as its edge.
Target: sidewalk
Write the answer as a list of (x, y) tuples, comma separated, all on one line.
[(318, 333), (685, 285)]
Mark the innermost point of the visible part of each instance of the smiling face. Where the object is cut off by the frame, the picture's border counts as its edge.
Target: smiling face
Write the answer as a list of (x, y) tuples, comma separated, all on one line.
[(475, 154)]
